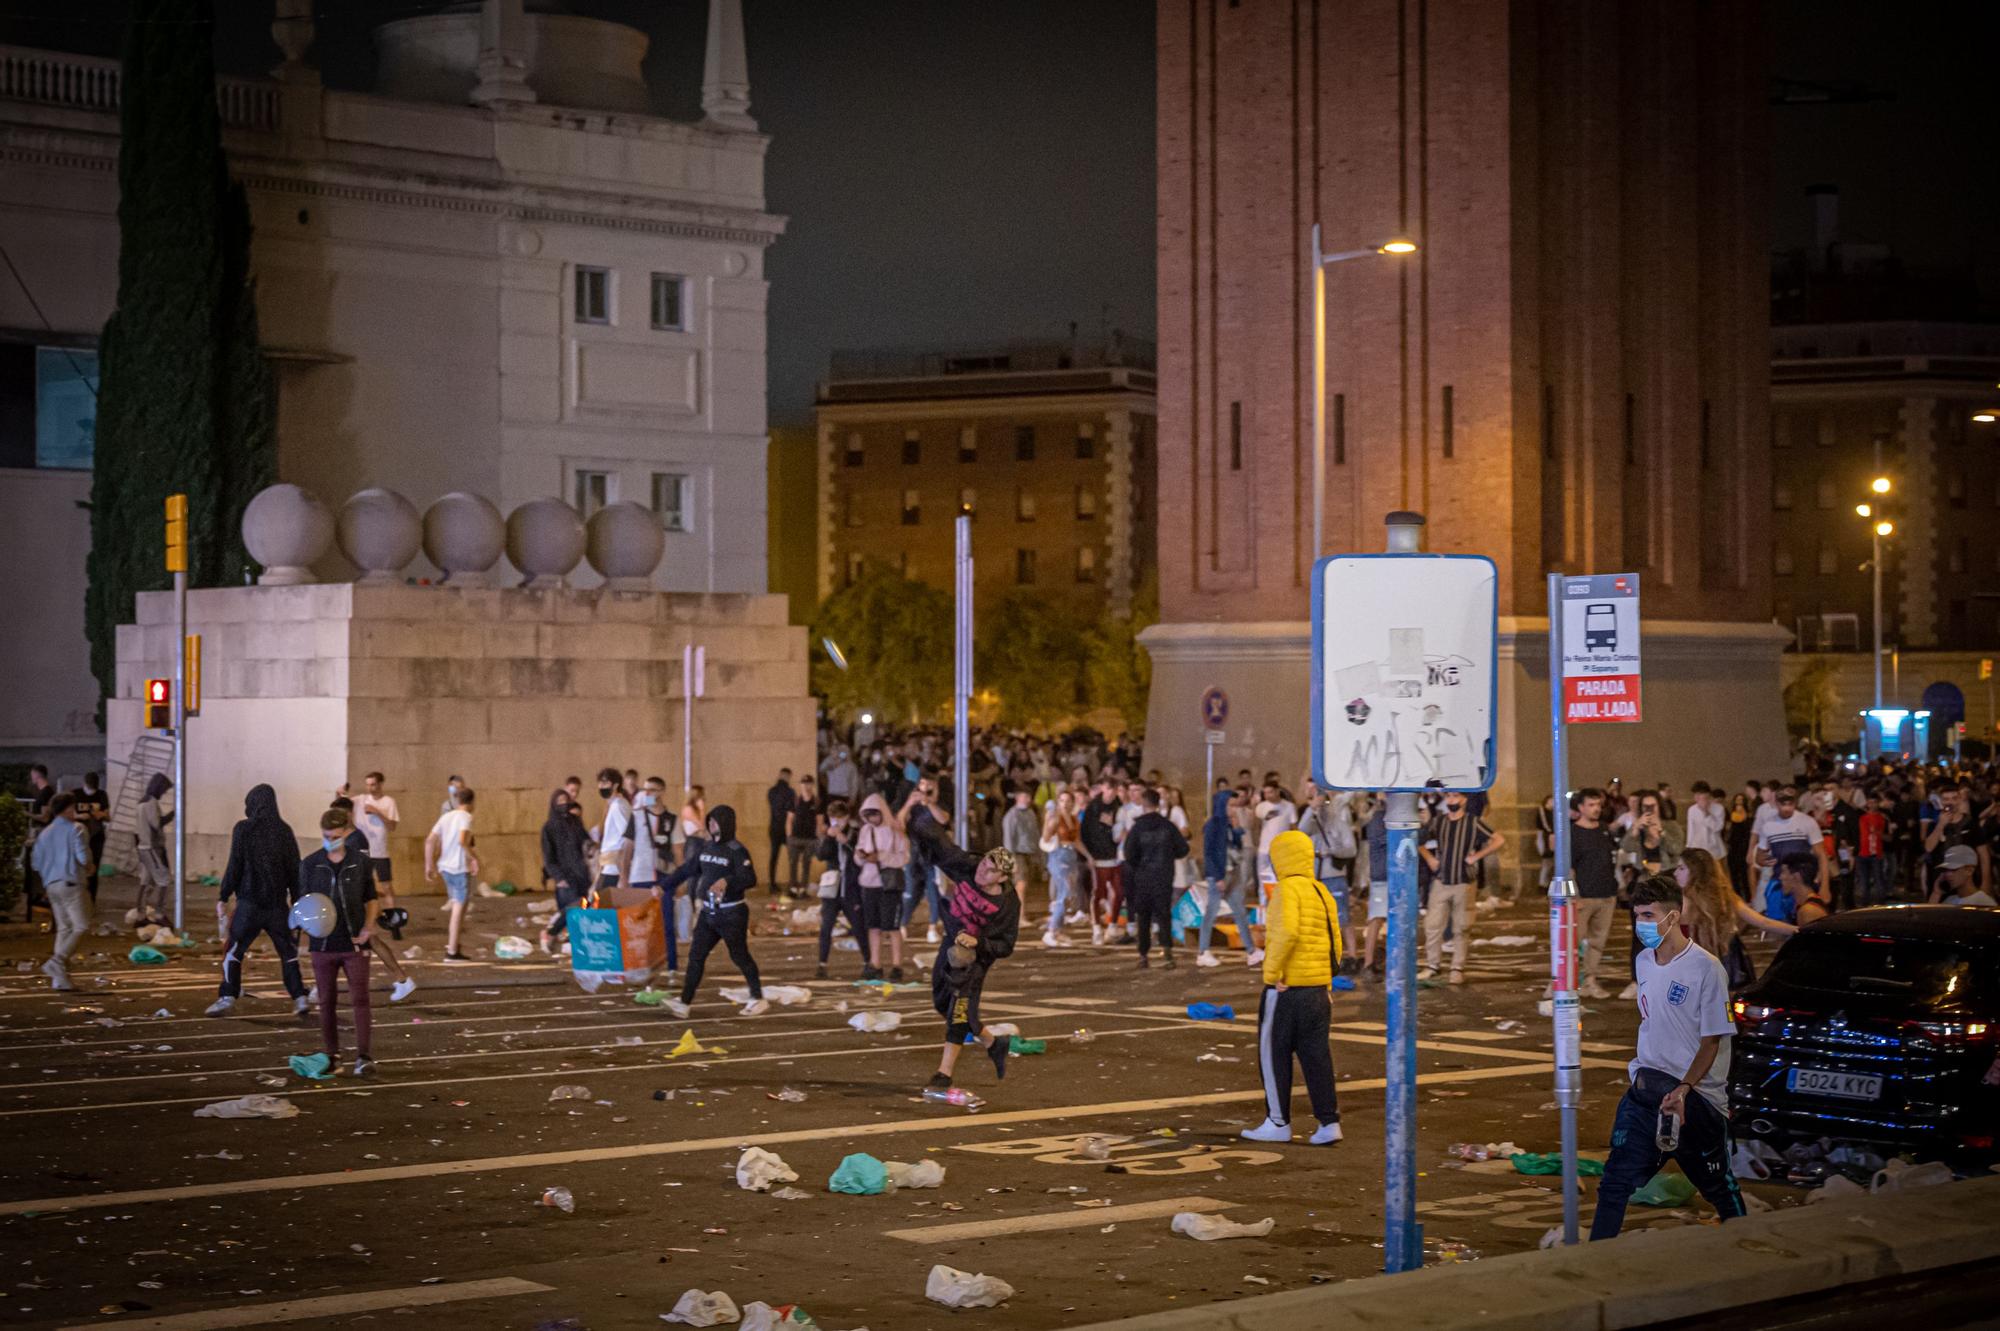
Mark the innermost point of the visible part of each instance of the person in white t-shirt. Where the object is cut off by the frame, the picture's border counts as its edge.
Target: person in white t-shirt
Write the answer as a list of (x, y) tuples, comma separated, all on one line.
[(1680, 1071), (1276, 813), (646, 832), (1790, 831), (375, 817), (448, 854), (1704, 822), (614, 834)]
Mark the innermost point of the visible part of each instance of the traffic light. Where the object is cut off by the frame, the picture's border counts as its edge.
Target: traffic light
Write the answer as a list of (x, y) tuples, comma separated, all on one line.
[(191, 701), (1986, 667), (177, 535), (159, 704)]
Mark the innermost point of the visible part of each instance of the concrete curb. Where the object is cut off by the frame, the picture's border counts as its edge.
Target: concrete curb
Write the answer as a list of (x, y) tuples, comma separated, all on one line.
[(1640, 1280)]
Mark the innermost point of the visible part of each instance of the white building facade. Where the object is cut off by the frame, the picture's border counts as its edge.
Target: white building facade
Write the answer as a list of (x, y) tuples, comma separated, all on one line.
[(495, 273)]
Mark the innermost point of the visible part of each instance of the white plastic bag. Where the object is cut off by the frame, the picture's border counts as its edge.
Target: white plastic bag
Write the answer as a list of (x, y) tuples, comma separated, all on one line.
[(699, 1307), (875, 1021), (1208, 1228), (757, 1169), (761, 1316), (778, 995), (250, 1106), (1837, 1188), (961, 1289), (1003, 1028), (1899, 1177), (512, 947), (923, 1174)]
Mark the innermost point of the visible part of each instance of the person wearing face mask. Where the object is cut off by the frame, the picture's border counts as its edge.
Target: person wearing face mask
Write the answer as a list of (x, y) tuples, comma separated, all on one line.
[(565, 862), (451, 788), (615, 839), (719, 871), (339, 870), (1452, 845), (1680, 1072), (262, 878)]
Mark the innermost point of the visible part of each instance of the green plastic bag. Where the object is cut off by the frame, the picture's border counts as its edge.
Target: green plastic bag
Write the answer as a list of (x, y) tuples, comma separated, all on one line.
[(1529, 1163), (145, 955), (505, 887), (1022, 1045), (1666, 1189), (650, 997), (860, 1174), (317, 1067)]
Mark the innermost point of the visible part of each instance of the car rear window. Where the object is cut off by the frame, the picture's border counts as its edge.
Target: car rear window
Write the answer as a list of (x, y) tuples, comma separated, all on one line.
[(1857, 964)]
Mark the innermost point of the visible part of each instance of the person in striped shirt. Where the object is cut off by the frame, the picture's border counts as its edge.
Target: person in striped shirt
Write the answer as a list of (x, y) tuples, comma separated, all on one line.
[(1453, 844)]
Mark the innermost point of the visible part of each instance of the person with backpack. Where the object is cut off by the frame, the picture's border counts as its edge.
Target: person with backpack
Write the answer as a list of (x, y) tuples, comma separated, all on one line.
[(883, 852), (1295, 1014)]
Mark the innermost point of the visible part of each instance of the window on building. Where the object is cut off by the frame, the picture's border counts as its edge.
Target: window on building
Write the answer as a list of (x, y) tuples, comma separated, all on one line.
[(968, 502), (1954, 488), (850, 511), (1706, 451), (1086, 504), (56, 388), (1955, 560), (855, 453), (1445, 425), (1828, 429), (1086, 442), (1024, 443), (913, 448), (903, 562), (1086, 563), (670, 302), (673, 500), (592, 490), (593, 295), (1826, 494), (1024, 505), (1631, 430), (1829, 559), (1781, 561), (913, 508), (1236, 436), (1340, 429), (856, 566), (1781, 496), (968, 443), (1024, 568)]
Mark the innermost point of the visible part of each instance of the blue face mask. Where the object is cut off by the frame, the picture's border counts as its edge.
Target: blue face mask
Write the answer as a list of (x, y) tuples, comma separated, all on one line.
[(1649, 932), (333, 842)]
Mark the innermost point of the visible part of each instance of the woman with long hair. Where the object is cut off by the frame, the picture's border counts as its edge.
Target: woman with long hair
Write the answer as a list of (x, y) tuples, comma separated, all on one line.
[(1739, 829), (1716, 916), (1062, 843)]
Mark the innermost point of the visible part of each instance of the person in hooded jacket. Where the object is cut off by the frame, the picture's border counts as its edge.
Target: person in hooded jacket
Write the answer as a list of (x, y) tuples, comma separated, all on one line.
[(262, 878), (1295, 1014), (1153, 846), (836, 851), (882, 851), (340, 871), (566, 863), (1218, 836), (150, 839), (720, 871), (981, 917)]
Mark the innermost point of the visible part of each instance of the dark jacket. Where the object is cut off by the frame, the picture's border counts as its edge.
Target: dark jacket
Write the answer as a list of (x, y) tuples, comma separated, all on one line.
[(565, 848), (781, 797), (1095, 832), (1152, 845), (1215, 837), (1001, 924), (351, 886), (720, 869), (263, 855)]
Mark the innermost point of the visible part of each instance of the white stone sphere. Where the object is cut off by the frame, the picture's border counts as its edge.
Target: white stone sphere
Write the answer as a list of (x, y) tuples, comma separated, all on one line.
[(625, 545), (544, 541), (463, 536), (285, 528), (379, 532)]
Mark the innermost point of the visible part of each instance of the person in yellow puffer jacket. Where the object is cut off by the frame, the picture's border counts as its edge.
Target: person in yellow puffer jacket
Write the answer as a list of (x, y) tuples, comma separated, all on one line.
[(1295, 1014)]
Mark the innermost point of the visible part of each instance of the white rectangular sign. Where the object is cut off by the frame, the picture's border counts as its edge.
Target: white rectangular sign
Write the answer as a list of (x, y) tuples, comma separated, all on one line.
[(1600, 647), (1403, 680)]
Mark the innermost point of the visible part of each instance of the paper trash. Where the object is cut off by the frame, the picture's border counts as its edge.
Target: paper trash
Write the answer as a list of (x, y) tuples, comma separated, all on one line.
[(699, 1307), (923, 1174), (757, 1169), (875, 1021), (1208, 1228), (250, 1106), (961, 1289)]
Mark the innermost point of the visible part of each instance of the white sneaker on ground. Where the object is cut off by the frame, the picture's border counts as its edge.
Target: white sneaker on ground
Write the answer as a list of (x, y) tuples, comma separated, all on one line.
[(312, 994), (1078, 917), (1255, 958), (1051, 940), (220, 1007), (1594, 990), (52, 967), (1206, 960), (1097, 935), (60, 982), (1629, 992), (1427, 973), (402, 989), (931, 934), (364, 1066), (1328, 1134), (756, 1007), (1267, 1131), (300, 1007), (675, 1006)]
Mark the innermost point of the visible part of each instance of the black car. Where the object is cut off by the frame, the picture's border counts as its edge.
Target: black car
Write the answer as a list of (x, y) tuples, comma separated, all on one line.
[(1879, 1025)]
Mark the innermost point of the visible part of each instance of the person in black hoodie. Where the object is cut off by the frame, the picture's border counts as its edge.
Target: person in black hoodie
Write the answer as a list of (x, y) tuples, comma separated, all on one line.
[(263, 879), (566, 863), (340, 871), (981, 917), (721, 871), (1153, 845), (1107, 881)]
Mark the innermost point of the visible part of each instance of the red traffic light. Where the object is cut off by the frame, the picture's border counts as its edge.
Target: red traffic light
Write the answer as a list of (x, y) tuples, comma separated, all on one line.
[(159, 692)]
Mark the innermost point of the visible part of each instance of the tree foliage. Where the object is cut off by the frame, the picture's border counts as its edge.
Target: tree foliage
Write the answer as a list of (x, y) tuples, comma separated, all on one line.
[(1033, 654), (1810, 699), (13, 841), (1118, 671), (186, 404), (897, 638)]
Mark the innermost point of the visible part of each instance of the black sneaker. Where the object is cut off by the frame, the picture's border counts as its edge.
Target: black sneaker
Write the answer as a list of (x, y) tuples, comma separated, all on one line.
[(1145, 962), (895, 975), (998, 1053), (363, 1066), (456, 956), (871, 972), (938, 1082), (1168, 960), (820, 972)]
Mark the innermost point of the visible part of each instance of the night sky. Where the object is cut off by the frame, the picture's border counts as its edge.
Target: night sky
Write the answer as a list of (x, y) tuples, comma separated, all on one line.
[(963, 170)]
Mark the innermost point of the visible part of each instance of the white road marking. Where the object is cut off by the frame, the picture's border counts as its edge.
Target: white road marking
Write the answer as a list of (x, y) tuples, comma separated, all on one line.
[(1476, 1035), (1071, 1218), (331, 1305), (735, 1141)]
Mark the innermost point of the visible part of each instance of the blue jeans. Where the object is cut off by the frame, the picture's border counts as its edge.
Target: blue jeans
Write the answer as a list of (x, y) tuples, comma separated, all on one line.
[(1635, 1156), (1236, 913), (920, 879), (1871, 880), (1062, 881), (457, 886)]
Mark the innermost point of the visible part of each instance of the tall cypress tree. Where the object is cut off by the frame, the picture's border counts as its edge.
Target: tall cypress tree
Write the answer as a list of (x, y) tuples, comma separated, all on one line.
[(186, 401)]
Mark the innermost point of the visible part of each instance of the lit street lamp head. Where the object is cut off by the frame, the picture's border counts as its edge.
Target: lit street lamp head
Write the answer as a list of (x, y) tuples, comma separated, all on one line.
[(1401, 247), (1880, 485), (1885, 529), (1865, 510)]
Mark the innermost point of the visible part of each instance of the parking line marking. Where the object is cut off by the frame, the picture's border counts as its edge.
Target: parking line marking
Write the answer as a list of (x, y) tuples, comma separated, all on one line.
[(331, 1305), (733, 1142), (1044, 1221), (1476, 1035)]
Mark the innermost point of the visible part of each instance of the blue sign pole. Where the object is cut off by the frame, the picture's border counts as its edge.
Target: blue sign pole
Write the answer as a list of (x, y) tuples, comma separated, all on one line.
[(1403, 1235)]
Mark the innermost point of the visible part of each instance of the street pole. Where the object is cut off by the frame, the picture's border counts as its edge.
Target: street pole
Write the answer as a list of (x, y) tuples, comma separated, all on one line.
[(694, 662), (180, 749), (961, 692), (1319, 401), (1403, 1236), (1564, 1007), (1208, 781), (1875, 566)]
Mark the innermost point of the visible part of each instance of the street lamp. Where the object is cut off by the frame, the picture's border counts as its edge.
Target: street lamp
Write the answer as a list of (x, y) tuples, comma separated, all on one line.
[(1320, 261), (1881, 485)]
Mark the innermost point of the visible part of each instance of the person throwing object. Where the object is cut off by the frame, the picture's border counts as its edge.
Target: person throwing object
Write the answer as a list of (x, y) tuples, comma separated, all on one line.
[(981, 918)]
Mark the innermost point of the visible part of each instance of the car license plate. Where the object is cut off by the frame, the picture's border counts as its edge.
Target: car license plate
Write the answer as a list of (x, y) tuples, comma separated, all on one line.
[(1846, 1085)]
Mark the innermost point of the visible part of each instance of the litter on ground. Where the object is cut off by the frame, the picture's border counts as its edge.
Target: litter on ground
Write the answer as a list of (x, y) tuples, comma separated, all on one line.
[(700, 1307), (875, 1021), (250, 1106), (962, 1289), (1209, 1228), (757, 1169)]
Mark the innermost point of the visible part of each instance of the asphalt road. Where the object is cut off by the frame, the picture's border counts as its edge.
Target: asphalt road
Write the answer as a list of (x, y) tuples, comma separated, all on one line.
[(414, 1194)]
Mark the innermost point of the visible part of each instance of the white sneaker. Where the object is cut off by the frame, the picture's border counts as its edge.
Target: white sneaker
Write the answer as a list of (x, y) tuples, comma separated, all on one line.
[(1427, 973), (931, 934), (220, 1007), (1255, 958), (1207, 959), (1594, 990), (757, 1007), (1051, 940), (1078, 917), (60, 982), (401, 990), (312, 994), (1097, 935), (1267, 1131), (1629, 992), (300, 1007), (678, 1008), (1328, 1134)]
